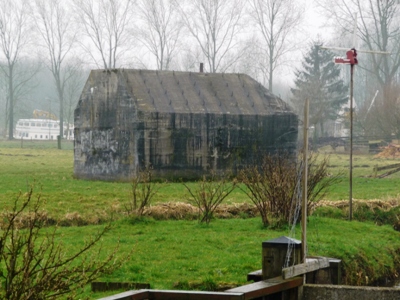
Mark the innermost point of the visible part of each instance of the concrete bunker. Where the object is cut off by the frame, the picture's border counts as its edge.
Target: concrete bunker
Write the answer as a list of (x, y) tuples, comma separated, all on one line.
[(180, 123)]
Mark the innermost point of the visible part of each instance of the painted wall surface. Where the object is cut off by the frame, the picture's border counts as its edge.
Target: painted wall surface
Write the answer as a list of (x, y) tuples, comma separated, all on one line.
[(106, 140), (116, 135)]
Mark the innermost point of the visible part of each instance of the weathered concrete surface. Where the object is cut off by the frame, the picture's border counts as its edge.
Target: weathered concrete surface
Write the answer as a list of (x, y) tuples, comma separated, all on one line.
[(344, 292), (180, 123)]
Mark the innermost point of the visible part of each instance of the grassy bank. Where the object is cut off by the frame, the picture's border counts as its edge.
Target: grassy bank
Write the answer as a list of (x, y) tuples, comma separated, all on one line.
[(182, 254)]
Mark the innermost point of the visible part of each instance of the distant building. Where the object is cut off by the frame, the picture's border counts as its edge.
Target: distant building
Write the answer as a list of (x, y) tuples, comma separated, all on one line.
[(42, 129), (180, 123)]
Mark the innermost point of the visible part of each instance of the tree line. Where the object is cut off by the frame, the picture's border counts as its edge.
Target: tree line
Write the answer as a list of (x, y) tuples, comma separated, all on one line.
[(256, 37)]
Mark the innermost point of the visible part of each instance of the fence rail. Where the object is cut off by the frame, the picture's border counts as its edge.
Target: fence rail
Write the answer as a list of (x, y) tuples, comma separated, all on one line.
[(246, 292)]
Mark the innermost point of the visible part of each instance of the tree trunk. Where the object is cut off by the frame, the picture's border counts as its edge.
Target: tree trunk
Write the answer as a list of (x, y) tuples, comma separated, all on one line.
[(11, 104)]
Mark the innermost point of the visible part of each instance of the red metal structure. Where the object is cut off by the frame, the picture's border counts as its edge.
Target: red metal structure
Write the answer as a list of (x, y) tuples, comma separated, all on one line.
[(351, 58)]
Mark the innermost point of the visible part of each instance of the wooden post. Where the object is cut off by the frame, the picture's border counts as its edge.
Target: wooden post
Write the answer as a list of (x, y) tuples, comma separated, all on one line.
[(305, 185), (274, 255), (351, 145)]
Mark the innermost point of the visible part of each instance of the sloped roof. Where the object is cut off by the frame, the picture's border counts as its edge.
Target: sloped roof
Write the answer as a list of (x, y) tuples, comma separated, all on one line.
[(188, 92)]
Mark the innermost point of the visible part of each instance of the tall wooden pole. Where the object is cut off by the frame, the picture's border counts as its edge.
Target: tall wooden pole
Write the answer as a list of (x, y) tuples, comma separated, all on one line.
[(305, 187), (351, 58), (351, 145)]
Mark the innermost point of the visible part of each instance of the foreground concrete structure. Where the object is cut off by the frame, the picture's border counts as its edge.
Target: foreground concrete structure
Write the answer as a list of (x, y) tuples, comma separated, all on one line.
[(343, 292), (180, 123)]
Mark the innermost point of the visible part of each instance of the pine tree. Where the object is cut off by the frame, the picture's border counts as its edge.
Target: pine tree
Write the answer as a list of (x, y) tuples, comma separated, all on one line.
[(319, 80)]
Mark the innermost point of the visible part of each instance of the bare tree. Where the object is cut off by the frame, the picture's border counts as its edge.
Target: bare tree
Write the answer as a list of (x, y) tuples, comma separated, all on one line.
[(376, 24), (35, 263), (15, 37), (384, 117), (55, 28), (73, 88), (378, 27), (188, 59), (161, 31), (276, 20), (3, 103), (105, 25), (215, 25)]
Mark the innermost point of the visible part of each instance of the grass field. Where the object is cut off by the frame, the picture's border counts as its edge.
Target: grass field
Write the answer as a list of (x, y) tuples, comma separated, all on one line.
[(176, 254), (51, 171)]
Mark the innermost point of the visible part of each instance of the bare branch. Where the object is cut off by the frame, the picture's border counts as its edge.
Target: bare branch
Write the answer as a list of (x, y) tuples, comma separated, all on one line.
[(209, 193), (54, 25), (35, 262), (105, 24), (162, 31), (276, 20), (15, 37), (215, 26)]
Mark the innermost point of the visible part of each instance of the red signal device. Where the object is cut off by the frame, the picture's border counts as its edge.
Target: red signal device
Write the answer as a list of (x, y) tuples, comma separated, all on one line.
[(351, 58)]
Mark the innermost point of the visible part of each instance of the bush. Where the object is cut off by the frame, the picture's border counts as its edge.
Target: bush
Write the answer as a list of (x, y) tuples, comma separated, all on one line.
[(143, 190), (209, 193), (34, 264), (275, 186)]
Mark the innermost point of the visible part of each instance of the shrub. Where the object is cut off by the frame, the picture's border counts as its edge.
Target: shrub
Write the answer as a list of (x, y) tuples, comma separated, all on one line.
[(34, 264), (143, 190), (209, 194), (274, 186)]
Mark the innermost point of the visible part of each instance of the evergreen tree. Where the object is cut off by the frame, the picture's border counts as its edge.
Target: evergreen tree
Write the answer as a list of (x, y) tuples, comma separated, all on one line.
[(319, 81)]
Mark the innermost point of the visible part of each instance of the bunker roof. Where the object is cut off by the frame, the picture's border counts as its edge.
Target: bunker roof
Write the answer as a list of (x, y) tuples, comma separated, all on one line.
[(190, 92)]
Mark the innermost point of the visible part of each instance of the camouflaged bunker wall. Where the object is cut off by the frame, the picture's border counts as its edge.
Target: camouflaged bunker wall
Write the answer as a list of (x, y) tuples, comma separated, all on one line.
[(180, 123)]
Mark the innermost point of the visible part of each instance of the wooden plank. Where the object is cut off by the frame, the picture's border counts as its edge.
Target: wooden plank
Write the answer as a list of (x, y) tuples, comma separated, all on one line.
[(194, 295), (267, 287), (255, 276), (389, 173), (176, 295), (387, 167), (310, 265), (250, 291), (98, 286), (129, 295)]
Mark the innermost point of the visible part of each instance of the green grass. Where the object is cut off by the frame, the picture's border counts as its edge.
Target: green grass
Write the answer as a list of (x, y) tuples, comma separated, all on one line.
[(168, 254), (171, 254), (51, 170)]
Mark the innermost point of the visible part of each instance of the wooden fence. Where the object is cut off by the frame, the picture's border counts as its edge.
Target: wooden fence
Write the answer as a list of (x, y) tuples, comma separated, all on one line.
[(251, 291)]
